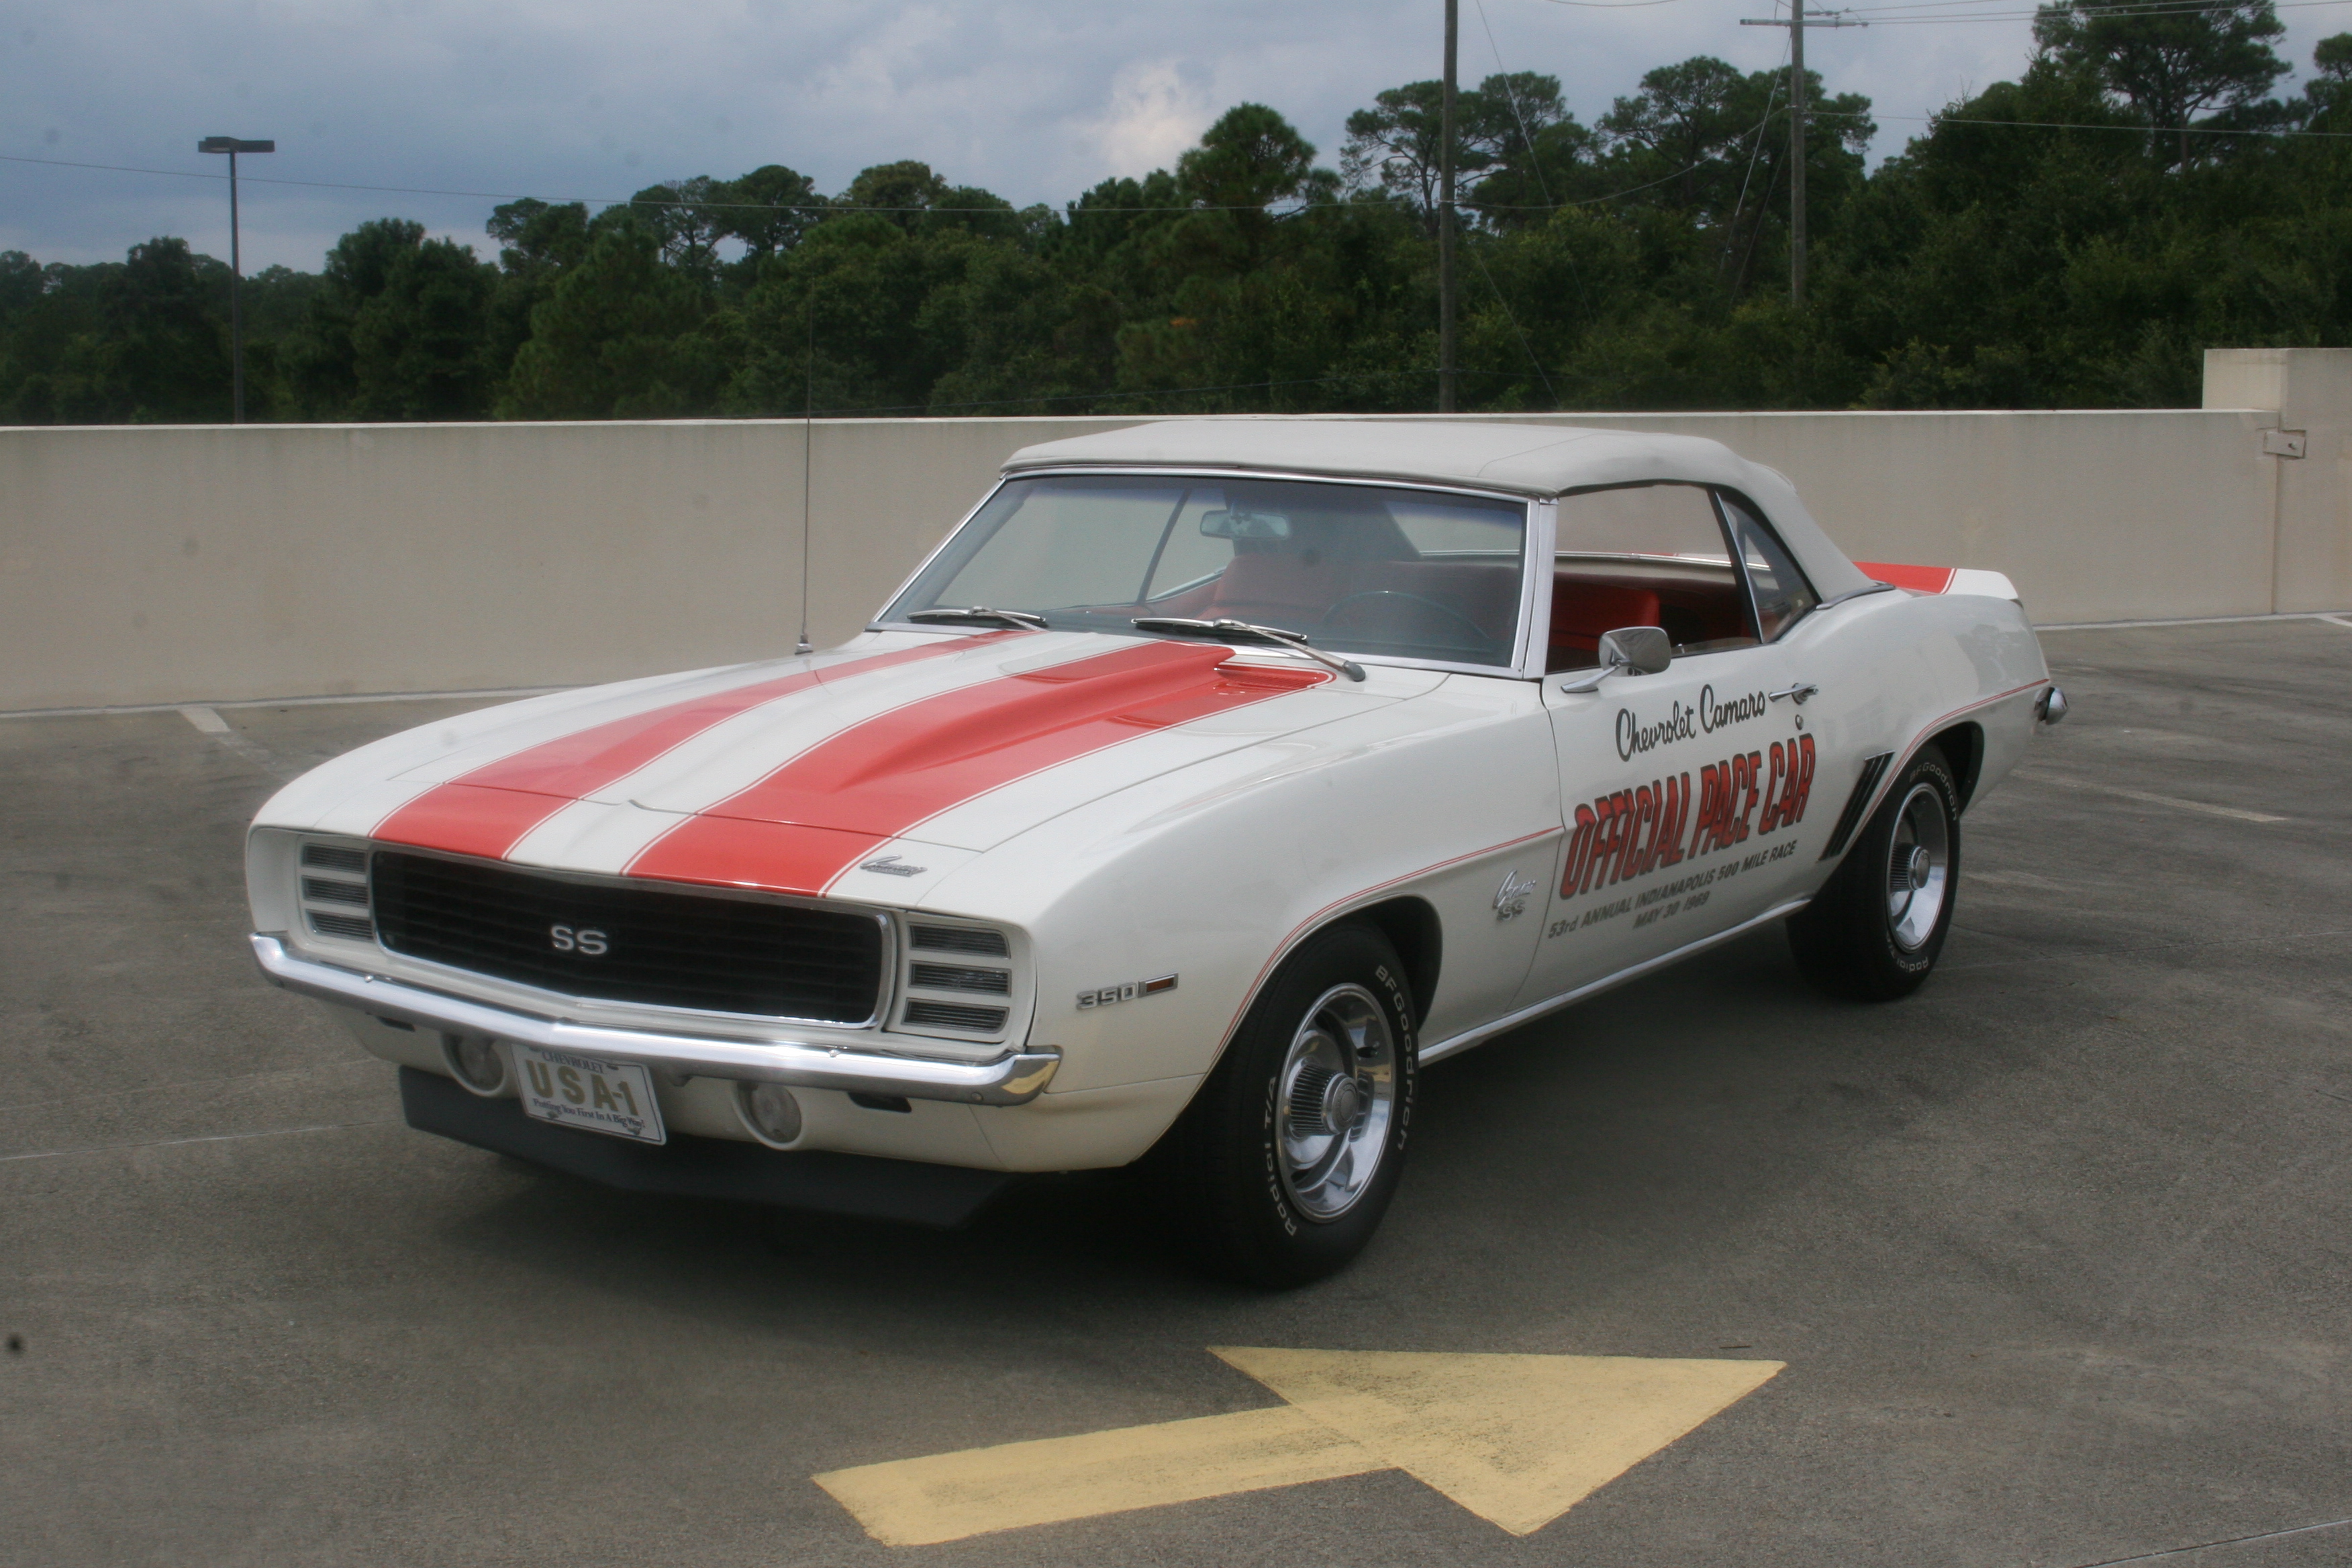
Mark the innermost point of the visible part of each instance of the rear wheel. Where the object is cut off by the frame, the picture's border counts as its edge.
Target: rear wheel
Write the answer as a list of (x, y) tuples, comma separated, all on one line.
[(1874, 931), (1279, 1170)]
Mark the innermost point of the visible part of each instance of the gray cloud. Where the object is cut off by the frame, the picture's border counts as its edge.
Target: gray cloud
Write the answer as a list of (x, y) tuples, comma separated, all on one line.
[(1035, 99)]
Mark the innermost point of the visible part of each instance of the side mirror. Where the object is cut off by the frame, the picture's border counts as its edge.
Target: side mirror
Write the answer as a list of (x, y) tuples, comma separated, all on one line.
[(1628, 651)]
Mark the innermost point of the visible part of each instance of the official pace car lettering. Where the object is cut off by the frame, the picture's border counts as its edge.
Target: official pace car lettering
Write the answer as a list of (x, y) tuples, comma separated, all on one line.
[(1630, 833), (1681, 723), (879, 780), (488, 811)]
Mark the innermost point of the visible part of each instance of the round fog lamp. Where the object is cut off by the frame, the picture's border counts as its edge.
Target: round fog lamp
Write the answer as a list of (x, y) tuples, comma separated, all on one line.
[(479, 1063), (770, 1114)]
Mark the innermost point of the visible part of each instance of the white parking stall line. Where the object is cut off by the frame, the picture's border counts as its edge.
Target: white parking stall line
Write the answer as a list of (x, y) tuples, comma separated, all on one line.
[(2175, 803), (369, 1063), (2191, 621), (206, 721), (496, 694), (205, 1138), (2209, 1545)]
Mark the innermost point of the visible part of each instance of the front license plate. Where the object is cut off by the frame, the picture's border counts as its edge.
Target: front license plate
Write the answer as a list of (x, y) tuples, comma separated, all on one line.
[(616, 1098)]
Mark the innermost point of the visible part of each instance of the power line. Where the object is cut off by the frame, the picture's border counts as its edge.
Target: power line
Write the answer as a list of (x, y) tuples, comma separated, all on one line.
[(2091, 10), (1358, 377), (1302, 206), (2072, 125), (1535, 163), (2093, 13), (1798, 11), (784, 206)]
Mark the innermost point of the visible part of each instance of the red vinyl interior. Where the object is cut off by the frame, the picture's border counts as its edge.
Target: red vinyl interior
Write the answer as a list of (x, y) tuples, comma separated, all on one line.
[(1580, 611), (1697, 603)]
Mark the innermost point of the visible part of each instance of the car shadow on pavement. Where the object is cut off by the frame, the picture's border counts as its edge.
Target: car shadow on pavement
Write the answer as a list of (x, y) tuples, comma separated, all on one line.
[(1645, 1129)]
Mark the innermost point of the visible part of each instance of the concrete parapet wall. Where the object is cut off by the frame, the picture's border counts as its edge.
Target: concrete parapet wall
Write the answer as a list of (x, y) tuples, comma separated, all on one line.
[(195, 564)]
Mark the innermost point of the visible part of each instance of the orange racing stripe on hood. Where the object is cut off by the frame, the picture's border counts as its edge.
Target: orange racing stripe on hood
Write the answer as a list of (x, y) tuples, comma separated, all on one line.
[(814, 817), (488, 811)]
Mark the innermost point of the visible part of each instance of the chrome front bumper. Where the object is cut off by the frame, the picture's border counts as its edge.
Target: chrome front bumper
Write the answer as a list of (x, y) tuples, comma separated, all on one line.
[(1015, 1079)]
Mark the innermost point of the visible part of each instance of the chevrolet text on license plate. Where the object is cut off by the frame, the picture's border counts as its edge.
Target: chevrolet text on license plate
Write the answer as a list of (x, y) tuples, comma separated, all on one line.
[(582, 1091)]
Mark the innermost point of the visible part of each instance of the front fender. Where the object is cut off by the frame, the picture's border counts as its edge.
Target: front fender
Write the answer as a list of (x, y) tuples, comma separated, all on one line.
[(1209, 875)]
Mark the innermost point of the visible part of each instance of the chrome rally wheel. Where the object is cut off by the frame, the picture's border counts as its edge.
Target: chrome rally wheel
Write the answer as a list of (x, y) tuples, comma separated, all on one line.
[(1337, 1089), (1918, 868), (1874, 930), (1279, 1170)]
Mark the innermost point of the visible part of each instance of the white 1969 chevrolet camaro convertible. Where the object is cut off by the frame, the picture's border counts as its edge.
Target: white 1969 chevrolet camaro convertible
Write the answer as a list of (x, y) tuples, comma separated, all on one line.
[(1210, 779)]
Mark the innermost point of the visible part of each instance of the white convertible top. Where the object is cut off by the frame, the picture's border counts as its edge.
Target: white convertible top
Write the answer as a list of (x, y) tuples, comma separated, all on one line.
[(1541, 460)]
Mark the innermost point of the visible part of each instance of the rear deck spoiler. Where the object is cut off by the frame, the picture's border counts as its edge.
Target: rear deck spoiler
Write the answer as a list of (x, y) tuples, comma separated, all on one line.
[(1942, 579)]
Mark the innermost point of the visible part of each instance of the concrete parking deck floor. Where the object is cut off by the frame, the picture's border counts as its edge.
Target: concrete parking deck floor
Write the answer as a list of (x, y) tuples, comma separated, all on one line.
[(2056, 1251)]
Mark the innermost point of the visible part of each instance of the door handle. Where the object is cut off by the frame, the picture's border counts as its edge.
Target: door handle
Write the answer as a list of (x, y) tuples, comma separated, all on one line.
[(1797, 693)]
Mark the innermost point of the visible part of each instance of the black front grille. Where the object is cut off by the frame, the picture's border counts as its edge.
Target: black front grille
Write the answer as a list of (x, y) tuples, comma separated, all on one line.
[(664, 948), (956, 1015), (320, 889), (956, 977), (958, 939), (350, 928)]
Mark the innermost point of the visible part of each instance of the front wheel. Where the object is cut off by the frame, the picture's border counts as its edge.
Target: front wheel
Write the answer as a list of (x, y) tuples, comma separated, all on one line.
[(1279, 1170), (1874, 931)]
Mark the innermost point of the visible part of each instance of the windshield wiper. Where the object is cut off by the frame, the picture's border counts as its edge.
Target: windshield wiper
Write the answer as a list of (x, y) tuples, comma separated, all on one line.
[(1295, 642), (982, 613)]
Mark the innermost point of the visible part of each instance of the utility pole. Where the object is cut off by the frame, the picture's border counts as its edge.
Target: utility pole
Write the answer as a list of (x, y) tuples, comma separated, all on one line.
[(1445, 344), (232, 146), (1797, 153), (1796, 26)]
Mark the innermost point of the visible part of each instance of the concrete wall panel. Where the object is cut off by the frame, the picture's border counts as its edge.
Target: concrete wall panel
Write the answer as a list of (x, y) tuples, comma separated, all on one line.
[(168, 564)]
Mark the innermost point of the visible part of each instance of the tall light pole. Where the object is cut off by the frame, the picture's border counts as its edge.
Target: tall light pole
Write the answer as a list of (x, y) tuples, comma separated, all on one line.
[(1796, 25), (1445, 216), (233, 146)]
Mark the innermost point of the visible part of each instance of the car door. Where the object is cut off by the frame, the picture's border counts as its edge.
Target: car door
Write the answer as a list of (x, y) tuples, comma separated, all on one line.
[(1829, 720), (1682, 792)]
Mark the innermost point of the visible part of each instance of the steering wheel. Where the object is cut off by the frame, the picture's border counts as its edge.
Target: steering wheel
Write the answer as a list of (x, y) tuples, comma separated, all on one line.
[(1448, 611)]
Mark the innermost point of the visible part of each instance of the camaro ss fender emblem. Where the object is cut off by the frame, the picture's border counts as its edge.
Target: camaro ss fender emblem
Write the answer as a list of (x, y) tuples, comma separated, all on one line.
[(891, 866), (1110, 995), (585, 940), (1511, 898)]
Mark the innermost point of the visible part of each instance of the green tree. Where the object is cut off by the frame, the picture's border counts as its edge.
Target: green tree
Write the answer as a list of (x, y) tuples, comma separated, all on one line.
[(399, 329), (1396, 146), (2171, 64), (538, 242), (616, 338), (1513, 138), (768, 210), (1252, 157)]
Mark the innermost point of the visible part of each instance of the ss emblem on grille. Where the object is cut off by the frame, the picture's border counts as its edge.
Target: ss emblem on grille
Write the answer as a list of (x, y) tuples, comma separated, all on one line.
[(585, 940)]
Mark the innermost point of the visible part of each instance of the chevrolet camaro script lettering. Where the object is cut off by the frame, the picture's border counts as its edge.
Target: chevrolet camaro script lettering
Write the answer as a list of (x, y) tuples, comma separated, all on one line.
[(1311, 711)]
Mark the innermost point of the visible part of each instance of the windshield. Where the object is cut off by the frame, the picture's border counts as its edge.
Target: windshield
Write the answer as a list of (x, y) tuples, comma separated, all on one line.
[(1361, 569)]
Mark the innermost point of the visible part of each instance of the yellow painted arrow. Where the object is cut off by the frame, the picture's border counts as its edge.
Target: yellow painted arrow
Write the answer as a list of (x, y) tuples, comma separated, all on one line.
[(1516, 1439)]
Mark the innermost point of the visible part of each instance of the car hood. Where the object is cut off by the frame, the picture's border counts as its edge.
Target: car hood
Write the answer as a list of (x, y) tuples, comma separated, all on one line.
[(785, 777)]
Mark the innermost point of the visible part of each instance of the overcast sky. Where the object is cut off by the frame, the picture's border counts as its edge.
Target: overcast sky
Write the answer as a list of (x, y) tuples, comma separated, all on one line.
[(1035, 99)]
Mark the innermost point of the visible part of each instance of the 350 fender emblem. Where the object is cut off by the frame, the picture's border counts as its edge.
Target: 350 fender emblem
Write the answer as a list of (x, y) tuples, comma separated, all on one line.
[(585, 940), (1109, 995)]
